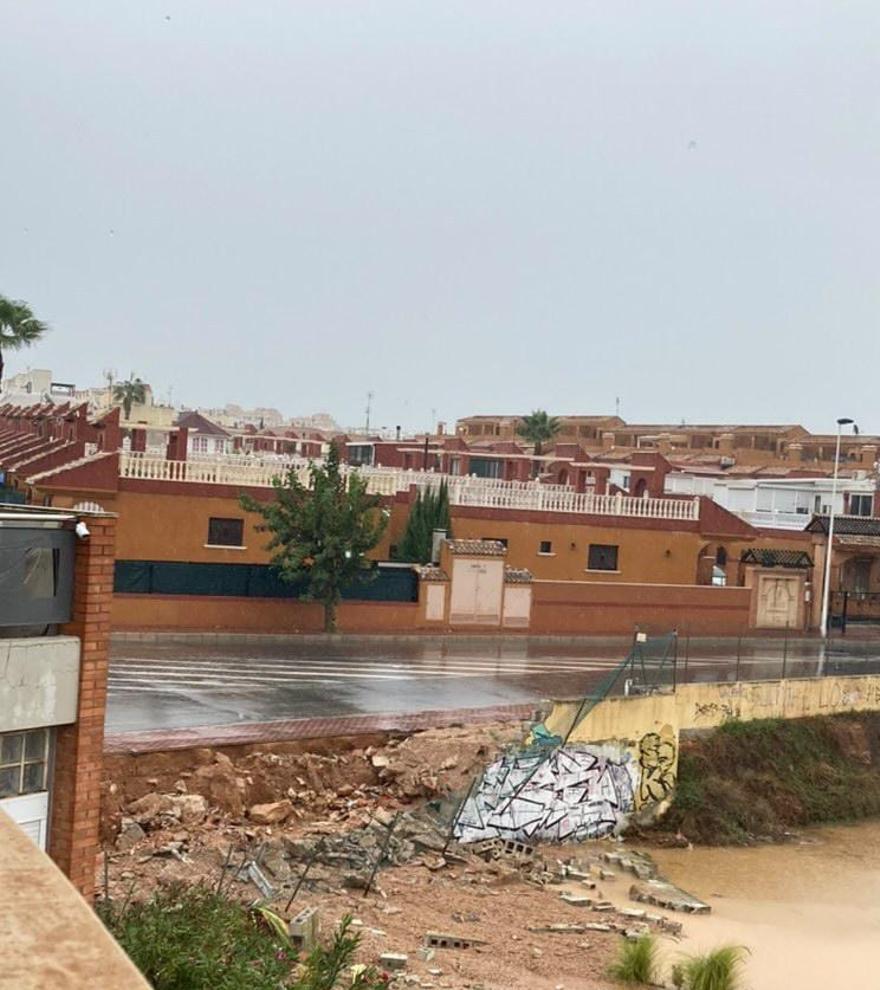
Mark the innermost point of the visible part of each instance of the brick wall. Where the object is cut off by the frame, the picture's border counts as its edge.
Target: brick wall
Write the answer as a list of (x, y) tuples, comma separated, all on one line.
[(76, 782), (206, 613), (593, 608)]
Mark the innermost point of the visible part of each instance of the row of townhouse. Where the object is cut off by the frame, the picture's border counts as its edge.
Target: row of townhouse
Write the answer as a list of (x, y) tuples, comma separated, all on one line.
[(781, 444), (604, 544)]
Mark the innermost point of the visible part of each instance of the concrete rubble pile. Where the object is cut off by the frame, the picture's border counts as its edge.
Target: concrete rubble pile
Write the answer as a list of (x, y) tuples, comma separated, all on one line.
[(311, 834), (339, 787)]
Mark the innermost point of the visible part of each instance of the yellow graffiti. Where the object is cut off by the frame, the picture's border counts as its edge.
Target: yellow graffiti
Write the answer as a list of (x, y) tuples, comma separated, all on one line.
[(657, 763)]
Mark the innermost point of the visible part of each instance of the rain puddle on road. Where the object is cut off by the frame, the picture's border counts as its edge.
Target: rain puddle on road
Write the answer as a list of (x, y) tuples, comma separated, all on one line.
[(808, 911)]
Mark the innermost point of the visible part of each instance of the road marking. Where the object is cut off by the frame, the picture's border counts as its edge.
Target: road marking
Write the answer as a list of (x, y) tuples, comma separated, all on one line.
[(324, 667)]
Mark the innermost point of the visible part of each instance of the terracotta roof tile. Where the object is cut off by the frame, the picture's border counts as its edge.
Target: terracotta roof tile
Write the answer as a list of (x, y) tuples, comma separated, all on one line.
[(430, 572), (477, 548), (772, 557), (846, 525)]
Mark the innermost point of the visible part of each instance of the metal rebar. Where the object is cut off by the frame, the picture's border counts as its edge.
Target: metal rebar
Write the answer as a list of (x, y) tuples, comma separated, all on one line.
[(106, 876), (305, 873), (457, 815), (739, 641), (687, 656), (382, 852), (785, 651), (237, 869), (675, 662), (127, 900), (223, 868)]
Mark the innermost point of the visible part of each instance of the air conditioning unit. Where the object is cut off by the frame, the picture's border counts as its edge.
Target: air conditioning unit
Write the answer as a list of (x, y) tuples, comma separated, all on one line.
[(727, 462)]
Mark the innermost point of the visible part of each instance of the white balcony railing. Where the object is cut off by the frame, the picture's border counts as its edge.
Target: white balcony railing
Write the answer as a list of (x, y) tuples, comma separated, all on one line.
[(776, 519), (254, 472)]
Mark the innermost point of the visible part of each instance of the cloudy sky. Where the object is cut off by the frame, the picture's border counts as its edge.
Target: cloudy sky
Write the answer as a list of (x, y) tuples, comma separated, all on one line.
[(458, 206)]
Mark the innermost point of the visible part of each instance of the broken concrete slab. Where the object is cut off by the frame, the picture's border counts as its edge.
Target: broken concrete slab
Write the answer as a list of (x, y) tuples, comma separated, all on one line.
[(559, 929), (575, 874), (663, 894), (639, 864), (637, 913), (576, 900), (259, 879)]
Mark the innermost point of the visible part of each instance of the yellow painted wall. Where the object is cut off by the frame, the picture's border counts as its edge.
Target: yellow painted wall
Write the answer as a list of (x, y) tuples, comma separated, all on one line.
[(175, 527), (706, 706)]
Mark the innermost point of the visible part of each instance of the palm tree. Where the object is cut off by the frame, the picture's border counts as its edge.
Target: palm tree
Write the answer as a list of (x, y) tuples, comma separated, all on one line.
[(129, 393), (538, 428), (18, 327)]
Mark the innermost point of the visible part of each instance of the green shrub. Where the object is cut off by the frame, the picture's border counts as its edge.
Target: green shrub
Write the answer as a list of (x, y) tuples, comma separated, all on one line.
[(190, 938), (636, 961), (718, 970), (763, 778)]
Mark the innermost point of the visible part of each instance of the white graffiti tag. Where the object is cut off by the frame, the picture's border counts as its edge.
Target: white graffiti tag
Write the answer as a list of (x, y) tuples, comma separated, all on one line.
[(575, 793)]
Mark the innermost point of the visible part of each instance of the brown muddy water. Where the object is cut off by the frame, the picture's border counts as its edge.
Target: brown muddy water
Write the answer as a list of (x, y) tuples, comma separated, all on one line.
[(809, 911)]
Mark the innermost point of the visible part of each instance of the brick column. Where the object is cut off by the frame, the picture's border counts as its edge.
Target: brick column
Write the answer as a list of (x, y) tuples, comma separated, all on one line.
[(76, 781)]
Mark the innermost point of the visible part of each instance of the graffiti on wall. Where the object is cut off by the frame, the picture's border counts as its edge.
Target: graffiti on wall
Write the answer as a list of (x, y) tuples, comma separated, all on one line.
[(715, 710), (571, 794), (657, 766)]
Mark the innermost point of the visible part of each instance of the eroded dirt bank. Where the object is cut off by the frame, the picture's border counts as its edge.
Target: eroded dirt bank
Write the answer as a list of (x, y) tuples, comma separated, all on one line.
[(255, 819), (760, 781)]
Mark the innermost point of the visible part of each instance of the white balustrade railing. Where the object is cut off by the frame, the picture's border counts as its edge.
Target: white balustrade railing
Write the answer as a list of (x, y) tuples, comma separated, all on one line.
[(258, 472)]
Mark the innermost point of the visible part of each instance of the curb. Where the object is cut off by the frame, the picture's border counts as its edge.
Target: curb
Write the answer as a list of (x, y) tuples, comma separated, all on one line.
[(309, 728)]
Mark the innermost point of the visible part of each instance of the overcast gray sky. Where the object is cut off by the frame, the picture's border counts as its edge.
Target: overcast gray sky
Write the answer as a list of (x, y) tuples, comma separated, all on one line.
[(459, 206)]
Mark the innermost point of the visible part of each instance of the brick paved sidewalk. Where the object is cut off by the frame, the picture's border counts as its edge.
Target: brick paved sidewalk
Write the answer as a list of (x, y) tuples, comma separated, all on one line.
[(308, 728)]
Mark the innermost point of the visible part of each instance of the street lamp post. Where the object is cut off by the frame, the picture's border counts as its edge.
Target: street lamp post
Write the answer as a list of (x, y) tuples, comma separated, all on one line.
[(826, 586)]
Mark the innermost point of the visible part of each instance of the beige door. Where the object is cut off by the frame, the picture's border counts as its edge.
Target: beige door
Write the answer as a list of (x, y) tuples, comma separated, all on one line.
[(778, 601), (477, 589)]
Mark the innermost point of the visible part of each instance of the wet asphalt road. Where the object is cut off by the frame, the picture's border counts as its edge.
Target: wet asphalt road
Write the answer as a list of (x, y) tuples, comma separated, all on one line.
[(178, 684)]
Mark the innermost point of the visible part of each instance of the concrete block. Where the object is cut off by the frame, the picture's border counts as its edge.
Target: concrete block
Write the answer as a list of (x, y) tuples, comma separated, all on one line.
[(575, 874), (393, 961), (304, 930), (576, 900), (443, 940)]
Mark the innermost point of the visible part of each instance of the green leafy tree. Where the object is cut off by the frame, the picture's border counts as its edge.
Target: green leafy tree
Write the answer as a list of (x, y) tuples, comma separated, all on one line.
[(430, 511), (538, 428), (18, 327), (130, 393), (321, 534)]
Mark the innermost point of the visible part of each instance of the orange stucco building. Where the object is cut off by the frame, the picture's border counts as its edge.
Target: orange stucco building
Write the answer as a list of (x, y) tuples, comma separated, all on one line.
[(598, 557)]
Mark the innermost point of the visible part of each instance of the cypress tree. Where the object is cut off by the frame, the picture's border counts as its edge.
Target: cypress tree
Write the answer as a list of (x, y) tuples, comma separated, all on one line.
[(430, 511)]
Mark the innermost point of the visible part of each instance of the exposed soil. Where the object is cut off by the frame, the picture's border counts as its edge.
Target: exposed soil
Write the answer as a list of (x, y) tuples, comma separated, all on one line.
[(756, 781), (179, 817)]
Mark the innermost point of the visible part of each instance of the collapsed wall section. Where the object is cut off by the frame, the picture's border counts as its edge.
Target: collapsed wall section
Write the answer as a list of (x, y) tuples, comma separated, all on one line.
[(571, 793)]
